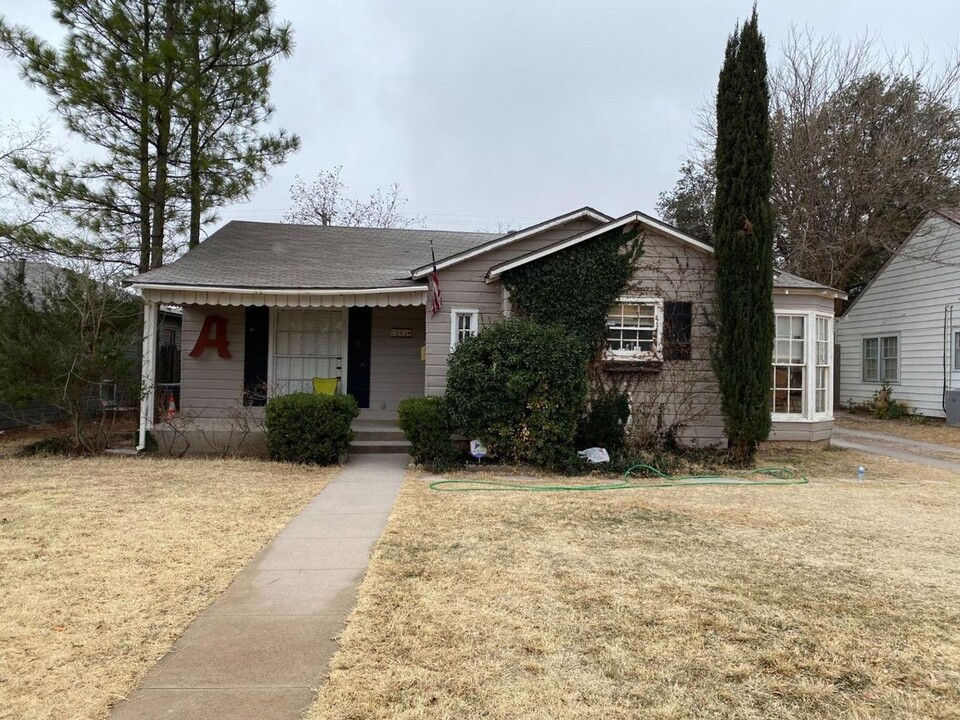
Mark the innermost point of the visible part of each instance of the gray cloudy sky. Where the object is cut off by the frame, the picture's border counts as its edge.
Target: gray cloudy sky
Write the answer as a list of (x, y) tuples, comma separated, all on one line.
[(515, 111)]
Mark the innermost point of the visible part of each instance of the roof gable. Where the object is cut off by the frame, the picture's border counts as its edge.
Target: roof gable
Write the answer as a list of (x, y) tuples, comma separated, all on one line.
[(585, 212), (635, 217)]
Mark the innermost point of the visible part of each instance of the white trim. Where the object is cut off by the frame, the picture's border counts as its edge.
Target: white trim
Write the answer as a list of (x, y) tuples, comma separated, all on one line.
[(278, 291), (425, 270), (148, 397), (657, 354), (810, 414), (634, 217), (454, 314), (345, 349), (326, 298)]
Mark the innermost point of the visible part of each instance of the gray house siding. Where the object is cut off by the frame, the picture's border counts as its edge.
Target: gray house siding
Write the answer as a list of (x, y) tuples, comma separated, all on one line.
[(396, 367), (209, 384), (464, 287), (907, 299), (685, 390)]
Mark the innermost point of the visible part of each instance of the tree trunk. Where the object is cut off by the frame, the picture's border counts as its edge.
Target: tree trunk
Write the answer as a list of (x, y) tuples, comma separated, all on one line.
[(195, 159), (164, 110), (144, 181)]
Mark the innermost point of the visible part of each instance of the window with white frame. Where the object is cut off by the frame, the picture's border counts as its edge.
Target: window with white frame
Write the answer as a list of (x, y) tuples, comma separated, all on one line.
[(635, 330), (307, 344), (789, 365), (881, 359), (823, 364), (463, 324), (956, 351)]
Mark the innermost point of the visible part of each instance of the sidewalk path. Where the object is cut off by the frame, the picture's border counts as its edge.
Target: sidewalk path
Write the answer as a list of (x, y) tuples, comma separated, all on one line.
[(897, 447), (260, 650)]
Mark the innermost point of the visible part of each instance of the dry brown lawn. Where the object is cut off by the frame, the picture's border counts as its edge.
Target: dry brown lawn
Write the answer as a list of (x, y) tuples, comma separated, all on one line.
[(828, 600), (931, 430), (105, 561)]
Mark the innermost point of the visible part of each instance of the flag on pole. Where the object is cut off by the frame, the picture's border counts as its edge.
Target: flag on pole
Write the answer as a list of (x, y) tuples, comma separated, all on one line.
[(435, 280)]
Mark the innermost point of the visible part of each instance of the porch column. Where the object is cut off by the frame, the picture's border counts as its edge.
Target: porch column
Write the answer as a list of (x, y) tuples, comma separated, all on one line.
[(148, 387)]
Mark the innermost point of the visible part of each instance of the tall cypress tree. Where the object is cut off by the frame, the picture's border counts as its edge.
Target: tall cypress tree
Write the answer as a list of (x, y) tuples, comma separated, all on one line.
[(743, 232)]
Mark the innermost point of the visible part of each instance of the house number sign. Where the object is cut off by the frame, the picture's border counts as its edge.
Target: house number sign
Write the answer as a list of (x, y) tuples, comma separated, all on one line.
[(401, 332)]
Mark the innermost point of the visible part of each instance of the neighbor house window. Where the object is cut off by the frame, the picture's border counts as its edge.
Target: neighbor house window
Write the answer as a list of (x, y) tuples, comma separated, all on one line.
[(635, 330), (881, 359), (789, 365), (956, 351), (463, 324), (307, 344)]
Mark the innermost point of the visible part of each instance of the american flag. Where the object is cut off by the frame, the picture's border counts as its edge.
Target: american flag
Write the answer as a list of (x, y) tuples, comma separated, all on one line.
[(435, 280)]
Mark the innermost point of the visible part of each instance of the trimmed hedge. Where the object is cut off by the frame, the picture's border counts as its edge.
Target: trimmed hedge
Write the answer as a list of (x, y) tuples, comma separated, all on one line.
[(309, 429), (605, 424), (426, 425), (520, 387)]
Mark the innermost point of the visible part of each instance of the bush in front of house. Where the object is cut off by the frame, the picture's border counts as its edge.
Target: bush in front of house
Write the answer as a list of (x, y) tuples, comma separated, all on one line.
[(520, 387), (309, 429), (426, 424), (605, 423)]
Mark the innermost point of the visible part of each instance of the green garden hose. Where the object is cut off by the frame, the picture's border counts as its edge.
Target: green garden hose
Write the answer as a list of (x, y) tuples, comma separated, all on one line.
[(775, 475)]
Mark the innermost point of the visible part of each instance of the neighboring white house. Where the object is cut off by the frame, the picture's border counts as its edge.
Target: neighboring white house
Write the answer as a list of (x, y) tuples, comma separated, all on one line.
[(904, 328)]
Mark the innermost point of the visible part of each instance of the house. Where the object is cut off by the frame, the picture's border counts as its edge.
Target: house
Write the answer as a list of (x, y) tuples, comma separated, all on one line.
[(268, 307), (904, 328)]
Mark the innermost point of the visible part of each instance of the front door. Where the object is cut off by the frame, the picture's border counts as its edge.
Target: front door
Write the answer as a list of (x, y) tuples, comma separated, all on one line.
[(358, 354)]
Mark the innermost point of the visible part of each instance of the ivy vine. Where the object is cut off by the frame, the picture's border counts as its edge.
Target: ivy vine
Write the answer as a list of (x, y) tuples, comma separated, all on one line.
[(574, 288)]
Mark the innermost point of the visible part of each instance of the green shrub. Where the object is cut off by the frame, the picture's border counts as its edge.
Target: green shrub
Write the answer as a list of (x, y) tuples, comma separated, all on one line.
[(48, 446), (519, 387), (426, 425), (605, 424), (885, 406), (306, 428)]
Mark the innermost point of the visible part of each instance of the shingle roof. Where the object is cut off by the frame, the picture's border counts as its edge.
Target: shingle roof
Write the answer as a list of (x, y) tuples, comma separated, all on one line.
[(783, 279), (275, 255)]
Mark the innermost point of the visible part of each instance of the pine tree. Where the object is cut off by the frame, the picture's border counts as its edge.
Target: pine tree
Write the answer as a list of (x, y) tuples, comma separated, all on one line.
[(174, 94), (743, 232)]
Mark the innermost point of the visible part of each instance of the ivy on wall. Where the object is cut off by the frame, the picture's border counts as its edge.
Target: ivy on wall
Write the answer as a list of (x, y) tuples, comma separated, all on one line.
[(574, 288)]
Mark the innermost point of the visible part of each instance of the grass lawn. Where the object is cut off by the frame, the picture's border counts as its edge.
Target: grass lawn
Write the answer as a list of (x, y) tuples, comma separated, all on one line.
[(827, 600), (931, 430), (105, 561)]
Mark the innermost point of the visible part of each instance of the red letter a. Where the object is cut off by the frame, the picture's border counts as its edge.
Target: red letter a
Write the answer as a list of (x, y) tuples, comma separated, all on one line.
[(219, 340)]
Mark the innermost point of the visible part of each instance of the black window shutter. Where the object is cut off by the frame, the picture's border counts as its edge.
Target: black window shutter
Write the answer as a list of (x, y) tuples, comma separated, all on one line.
[(677, 327), (255, 349)]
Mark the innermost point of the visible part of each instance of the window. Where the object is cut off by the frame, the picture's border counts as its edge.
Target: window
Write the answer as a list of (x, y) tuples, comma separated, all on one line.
[(956, 351), (789, 365), (635, 330), (822, 389), (307, 343), (881, 359), (463, 324)]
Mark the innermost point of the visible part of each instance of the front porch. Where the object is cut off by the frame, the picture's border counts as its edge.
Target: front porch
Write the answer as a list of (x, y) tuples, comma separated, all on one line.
[(238, 349)]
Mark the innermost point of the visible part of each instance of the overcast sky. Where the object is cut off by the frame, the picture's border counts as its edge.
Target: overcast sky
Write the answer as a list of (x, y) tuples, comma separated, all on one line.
[(511, 110)]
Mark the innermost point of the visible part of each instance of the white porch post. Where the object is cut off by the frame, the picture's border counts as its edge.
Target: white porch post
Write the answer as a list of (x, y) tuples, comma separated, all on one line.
[(148, 371)]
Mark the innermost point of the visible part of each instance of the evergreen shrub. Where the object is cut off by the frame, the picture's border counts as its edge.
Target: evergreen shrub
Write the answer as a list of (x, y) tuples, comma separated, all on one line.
[(426, 425), (309, 429), (520, 388)]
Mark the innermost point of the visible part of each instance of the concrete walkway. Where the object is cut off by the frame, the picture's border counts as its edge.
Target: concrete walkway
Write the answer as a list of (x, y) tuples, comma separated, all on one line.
[(897, 447), (260, 650)]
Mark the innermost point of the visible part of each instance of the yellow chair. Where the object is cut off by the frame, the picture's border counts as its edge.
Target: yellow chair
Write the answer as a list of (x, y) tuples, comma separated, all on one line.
[(325, 386)]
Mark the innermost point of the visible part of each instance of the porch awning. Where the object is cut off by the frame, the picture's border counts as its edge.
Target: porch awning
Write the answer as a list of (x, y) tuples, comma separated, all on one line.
[(283, 297)]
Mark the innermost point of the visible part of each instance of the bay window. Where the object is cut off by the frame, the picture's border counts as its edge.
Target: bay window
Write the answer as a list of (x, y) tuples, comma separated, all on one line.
[(801, 385)]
